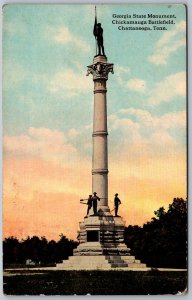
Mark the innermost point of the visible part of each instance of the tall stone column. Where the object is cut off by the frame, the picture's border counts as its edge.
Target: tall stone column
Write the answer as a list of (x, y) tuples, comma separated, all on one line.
[(100, 70), (101, 236)]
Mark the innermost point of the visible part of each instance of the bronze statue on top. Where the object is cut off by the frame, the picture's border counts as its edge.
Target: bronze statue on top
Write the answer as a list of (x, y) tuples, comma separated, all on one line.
[(98, 33)]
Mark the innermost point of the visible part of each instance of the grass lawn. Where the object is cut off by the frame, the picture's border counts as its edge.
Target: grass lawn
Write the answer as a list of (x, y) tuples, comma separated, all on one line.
[(60, 282)]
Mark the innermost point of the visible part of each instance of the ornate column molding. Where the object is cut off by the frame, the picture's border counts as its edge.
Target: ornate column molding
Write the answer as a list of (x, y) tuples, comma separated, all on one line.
[(100, 70)]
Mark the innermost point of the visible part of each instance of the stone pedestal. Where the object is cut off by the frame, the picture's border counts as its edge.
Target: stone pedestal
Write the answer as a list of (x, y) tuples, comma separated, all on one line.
[(101, 246), (101, 235)]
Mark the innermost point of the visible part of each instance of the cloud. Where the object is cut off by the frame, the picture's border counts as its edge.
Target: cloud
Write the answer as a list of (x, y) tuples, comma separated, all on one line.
[(162, 137), (142, 135), (70, 81), (121, 73), (172, 86), (179, 27), (172, 120), (128, 129), (137, 85), (134, 84), (73, 133), (42, 175), (44, 143), (147, 160), (64, 36), (166, 121), (166, 90), (169, 43)]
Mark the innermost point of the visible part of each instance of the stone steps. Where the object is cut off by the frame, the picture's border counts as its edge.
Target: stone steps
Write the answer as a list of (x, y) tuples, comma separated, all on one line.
[(129, 261), (113, 258), (84, 262), (116, 261), (119, 265), (136, 265), (99, 262)]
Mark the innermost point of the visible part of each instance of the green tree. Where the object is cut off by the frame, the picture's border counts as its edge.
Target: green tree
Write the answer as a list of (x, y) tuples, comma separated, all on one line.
[(160, 213), (11, 249), (162, 241), (37, 249)]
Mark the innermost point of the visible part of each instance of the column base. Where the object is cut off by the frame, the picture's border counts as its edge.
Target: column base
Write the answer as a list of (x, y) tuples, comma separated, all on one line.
[(101, 245)]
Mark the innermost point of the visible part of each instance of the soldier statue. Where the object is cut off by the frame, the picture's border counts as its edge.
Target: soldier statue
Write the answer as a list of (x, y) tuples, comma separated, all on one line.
[(98, 33), (95, 198), (89, 204), (117, 202)]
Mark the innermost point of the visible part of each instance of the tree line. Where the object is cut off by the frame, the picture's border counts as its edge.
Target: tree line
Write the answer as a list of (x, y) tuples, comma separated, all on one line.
[(38, 250), (158, 243), (162, 242)]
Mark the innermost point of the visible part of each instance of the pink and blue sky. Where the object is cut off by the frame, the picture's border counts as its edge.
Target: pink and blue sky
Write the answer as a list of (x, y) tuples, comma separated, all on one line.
[(48, 109)]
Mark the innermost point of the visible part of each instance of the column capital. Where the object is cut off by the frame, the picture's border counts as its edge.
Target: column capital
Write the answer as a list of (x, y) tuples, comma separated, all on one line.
[(100, 69)]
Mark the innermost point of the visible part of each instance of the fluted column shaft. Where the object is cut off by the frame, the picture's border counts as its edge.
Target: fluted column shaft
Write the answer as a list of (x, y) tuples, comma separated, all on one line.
[(100, 69), (100, 154)]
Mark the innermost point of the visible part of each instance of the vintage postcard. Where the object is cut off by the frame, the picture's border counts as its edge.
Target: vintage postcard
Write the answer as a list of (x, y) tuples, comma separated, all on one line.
[(94, 149)]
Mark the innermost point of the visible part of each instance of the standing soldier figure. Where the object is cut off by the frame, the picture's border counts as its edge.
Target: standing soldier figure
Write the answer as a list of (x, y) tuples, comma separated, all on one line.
[(89, 203), (98, 33), (117, 201), (95, 198)]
